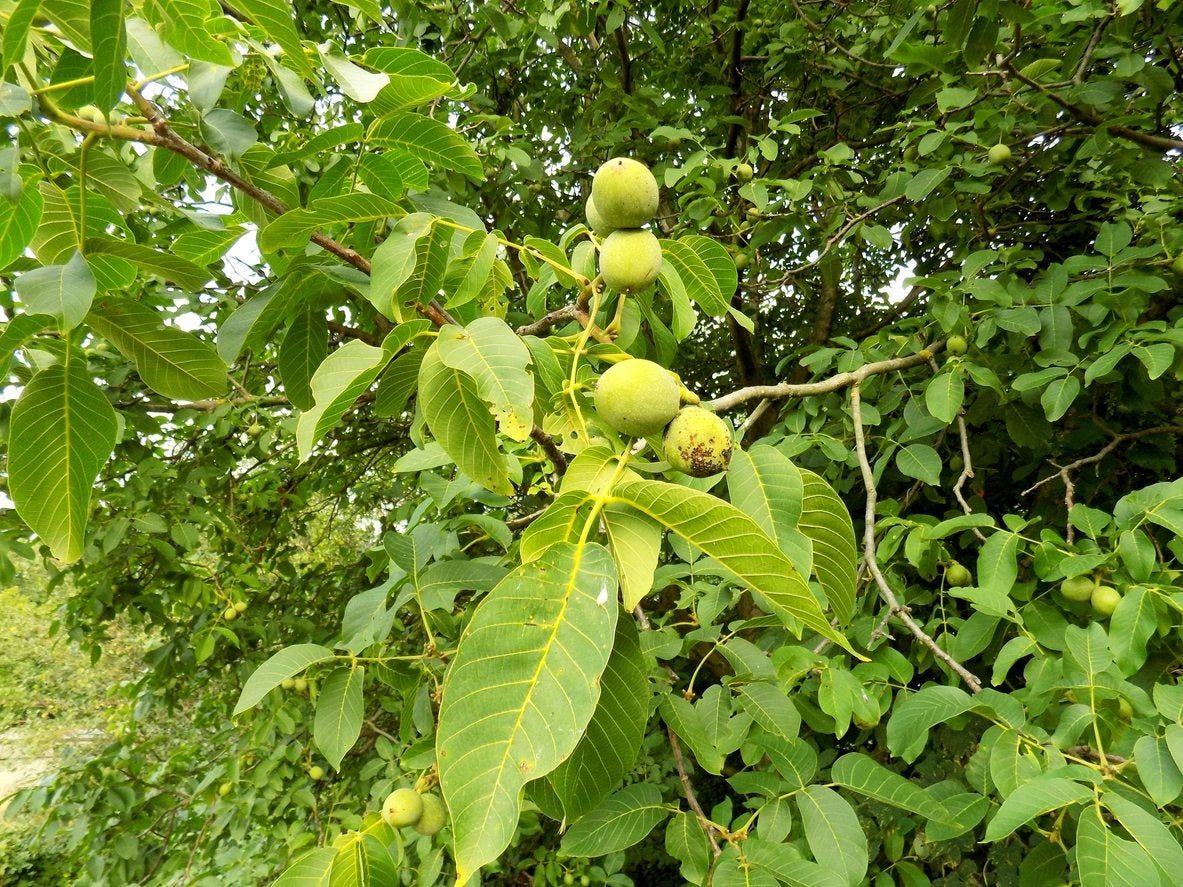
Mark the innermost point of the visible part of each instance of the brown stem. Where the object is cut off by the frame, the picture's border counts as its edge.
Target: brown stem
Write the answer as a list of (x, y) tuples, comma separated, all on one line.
[(898, 610)]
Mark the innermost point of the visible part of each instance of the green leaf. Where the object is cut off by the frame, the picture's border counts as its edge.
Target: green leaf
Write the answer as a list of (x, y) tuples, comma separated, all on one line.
[(409, 265), (686, 842), (165, 265), (736, 541), (62, 291), (461, 422), (72, 18), (275, 19), (1157, 769), (429, 140), (698, 278), (618, 823), (610, 746), (921, 462), (1087, 650), (61, 432), (1033, 799), (1105, 860), (1130, 628), (635, 542), (515, 702), (1058, 396), (339, 381), (770, 707), (186, 28), (915, 715), (313, 869), (173, 362), (764, 484), (339, 713), (304, 349), (998, 566), (18, 223), (687, 721), (60, 232), (16, 36), (1149, 833), (18, 331), (826, 522), (355, 81), (833, 832), (1157, 358), (293, 228), (397, 384), (109, 46), (495, 358), (286, 663), (944, 395), (864, 775), (924, 182)]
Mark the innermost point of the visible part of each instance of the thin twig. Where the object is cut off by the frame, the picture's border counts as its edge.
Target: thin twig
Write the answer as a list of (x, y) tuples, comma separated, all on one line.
[(967, 467), (897, 609), (834, 383)]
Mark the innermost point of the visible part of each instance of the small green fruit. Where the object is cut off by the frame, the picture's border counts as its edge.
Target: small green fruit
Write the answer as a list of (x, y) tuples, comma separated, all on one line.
[(741, 261), (254, 430), (584, 881), (300, 685), (224, 789), (754, 213), (957, 576), (403, 806), (698, 442), (1105, 600), (910, 154), (595, 221), (568, 878), (1078, 588), (637, 397), (1125, 711), (287, 683), (230, 614), (91, 113), (240, 606), (625, 193), (744, 172), (630, 260), (434, 817), (956, 345), (999, 154), (1177, 265), (317, 772)]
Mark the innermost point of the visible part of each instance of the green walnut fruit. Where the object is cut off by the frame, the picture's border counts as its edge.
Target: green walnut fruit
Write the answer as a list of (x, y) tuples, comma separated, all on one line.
[(287, 683), (1105, 599), (956, 345), (741, 261), (91, 113), (630, 260), (625, 193), (698, 443), (300, 685), (224, 789), (230, 614), (999, 154), (317, 772), (595, 221), (435, 815), (910, 154), (254, 430), (957, 576), (754, 213), (1177, 265), (637, 397), (403, 806), (568, 878), (1078, 588), (240, 606), (1125, 711), (744, 172)]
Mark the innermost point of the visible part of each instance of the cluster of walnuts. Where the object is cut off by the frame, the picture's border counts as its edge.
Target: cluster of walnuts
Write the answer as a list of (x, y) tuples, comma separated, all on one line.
[(405, 806), (624, 197)]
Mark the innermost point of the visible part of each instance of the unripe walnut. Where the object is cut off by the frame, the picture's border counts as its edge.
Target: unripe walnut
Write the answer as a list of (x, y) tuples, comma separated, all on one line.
[(434, 816), (1105, 599), (1078, 588), (625, 193), (595, 221), (630, 260), (999, 154), (403, 806), (637, 397), (958, 576), (698, 442)]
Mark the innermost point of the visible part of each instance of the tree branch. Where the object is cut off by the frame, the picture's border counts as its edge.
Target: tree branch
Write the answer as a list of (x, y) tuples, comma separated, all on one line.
[(834, 383), (893, 603)]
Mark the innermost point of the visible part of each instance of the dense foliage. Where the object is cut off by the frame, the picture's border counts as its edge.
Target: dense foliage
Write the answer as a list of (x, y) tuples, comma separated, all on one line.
[(305, 326)]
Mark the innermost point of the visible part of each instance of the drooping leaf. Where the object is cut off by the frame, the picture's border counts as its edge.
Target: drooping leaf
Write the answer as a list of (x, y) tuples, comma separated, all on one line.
[(833, 832), (620, 821), (286, 663), (173, 362), (515, 702), (339, 713), (62, 430), (1033, 799)]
